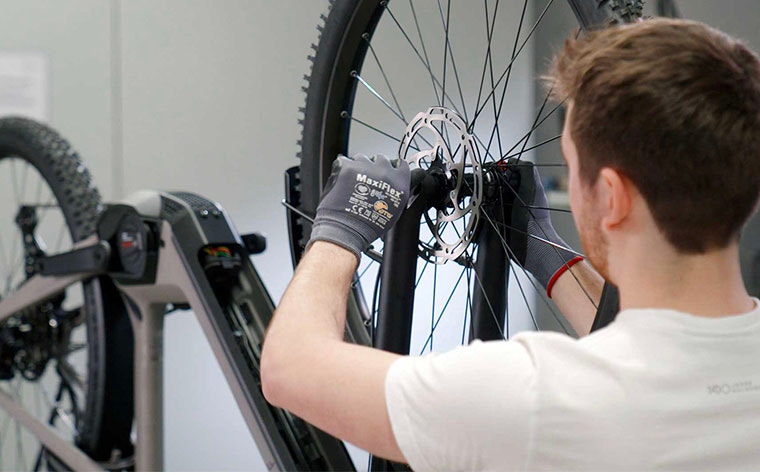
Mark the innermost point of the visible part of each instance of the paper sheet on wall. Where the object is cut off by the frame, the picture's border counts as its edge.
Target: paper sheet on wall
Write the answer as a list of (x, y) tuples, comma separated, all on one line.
[(24, 85)]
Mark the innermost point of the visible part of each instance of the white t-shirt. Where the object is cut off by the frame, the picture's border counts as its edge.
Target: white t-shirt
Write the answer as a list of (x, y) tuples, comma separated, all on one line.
[(655, 390)]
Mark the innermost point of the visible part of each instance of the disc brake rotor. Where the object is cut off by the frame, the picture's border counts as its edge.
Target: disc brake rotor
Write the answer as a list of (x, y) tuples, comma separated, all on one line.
[(439, 138)]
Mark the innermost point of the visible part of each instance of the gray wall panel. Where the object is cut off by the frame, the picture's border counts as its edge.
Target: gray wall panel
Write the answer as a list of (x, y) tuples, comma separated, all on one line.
[(211, 91)]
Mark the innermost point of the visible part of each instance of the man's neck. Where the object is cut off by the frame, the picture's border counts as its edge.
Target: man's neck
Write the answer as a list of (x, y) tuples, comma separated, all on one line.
[(707, 285)]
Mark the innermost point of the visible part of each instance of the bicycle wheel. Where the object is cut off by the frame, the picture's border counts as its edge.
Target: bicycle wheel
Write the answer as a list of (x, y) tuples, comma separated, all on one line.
[(434, 82), (66, 360), (382, 67)]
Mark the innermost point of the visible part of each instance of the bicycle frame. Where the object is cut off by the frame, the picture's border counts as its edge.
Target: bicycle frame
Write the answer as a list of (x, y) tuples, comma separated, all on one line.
[(160, 249)]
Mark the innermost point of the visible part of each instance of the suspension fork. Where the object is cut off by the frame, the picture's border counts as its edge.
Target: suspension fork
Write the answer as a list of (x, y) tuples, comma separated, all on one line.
[(398, 273), (396, 300)]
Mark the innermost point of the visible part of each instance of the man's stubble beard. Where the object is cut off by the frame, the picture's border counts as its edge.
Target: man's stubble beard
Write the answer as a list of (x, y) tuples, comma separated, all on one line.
[(594, 242)]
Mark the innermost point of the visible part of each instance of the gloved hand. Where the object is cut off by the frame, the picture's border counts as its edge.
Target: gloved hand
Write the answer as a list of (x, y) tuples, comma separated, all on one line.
[(530, 217), (362, 199)]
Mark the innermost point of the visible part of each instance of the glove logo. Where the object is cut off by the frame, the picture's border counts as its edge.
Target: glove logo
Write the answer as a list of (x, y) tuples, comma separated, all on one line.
[(381, 207), (362, 189), (379, 184)]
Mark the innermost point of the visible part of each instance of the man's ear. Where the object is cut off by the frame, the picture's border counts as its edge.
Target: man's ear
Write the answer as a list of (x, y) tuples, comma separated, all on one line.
[(615, 195)]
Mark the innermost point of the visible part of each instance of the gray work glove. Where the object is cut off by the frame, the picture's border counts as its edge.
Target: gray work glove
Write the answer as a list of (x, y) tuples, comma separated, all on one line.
[(362, 199), (531, 218)]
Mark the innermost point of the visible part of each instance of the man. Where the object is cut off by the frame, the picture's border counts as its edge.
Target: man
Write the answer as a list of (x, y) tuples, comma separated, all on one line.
[(662, 143)]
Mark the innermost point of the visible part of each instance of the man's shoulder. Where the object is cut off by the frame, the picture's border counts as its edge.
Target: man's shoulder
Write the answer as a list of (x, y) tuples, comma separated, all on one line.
[(601, 341), (557, 357)]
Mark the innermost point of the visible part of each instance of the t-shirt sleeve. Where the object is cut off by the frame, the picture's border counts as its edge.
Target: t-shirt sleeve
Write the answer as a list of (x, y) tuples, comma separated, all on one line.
[(470, 409)]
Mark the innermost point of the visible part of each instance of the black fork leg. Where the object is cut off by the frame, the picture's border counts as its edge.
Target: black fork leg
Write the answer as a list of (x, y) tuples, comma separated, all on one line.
[(396, 301), (489, 299), (394, 320)]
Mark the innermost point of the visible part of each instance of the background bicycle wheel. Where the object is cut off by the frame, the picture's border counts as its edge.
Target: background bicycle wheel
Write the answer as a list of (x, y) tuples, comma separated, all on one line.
[(203, 96)]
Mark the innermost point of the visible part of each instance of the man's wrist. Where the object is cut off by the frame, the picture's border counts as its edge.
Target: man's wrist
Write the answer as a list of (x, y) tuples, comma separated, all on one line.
[(334, 253), (560, 272)]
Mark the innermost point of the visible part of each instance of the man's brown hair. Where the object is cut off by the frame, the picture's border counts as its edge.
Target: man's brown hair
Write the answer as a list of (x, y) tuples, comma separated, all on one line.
[(674, 106)]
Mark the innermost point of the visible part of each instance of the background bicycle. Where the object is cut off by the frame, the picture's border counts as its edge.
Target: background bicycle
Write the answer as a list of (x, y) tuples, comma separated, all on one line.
[(140, 82)]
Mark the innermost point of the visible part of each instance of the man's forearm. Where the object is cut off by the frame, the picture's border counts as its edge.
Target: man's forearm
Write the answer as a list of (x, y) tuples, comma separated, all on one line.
[(313, 309), (307, 368)]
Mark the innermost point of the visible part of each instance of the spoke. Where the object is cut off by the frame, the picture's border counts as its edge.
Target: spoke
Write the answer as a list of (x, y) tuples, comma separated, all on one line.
[(388, 84), (375, 129), (442, 312), (385, 78), (426, 61), (416, 51), (70, 377), (509, 66), (533, 129), (488, 301), (539, 290), (554, 246), (361, 274), (468, 303), (527, 139), (536, 123), (523, 150), (493, 98), (545, 241), (495, 130), (74, 348), (488, 152), (451, 54), (56, 405), (488, 60), (561, 210), (395, 112), (378, 96), (445, 50), (422, 272)]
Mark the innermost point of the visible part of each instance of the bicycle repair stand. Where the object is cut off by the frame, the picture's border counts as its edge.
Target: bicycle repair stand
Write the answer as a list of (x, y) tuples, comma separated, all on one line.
[(173, 248)]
